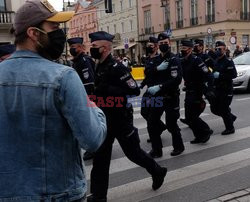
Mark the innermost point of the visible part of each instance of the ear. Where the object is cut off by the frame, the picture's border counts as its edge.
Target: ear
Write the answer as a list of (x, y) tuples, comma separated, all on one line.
[(33, 34)]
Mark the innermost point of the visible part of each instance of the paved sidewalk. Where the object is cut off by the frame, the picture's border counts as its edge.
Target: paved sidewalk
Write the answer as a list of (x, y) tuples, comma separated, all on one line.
[(239, 196)]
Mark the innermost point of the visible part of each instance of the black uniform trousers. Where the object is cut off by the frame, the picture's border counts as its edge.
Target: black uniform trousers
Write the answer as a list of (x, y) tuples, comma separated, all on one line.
[(155, 125), (130, 145), (221, 107), (194, 106)]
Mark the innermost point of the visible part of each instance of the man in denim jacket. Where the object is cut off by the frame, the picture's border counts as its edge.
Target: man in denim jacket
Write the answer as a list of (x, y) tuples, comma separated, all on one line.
[(45, 116)]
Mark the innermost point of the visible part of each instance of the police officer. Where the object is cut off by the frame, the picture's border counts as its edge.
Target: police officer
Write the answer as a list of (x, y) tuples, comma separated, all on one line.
[(224, 73), (114, 83), (209, 62), (166, 77), (82, 63), (151, 62), (84, 66), (197, 80)]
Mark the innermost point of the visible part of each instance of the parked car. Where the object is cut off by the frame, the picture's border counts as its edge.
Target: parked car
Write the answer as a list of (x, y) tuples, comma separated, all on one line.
[(242, 64)]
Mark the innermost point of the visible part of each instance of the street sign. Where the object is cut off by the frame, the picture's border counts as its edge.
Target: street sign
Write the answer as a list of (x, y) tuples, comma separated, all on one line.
[(233, 40), (126, 42), (209, 30)]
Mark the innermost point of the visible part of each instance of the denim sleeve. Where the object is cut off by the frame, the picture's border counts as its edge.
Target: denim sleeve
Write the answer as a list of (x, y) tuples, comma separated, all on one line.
[(87, 122)]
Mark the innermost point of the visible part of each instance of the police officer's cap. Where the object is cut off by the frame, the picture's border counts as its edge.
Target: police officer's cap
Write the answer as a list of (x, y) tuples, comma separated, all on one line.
[(187, 43), (7, 49), (75, 40), (163, 36), (101, 35), (199, 42), (153, 39), (219, 43)]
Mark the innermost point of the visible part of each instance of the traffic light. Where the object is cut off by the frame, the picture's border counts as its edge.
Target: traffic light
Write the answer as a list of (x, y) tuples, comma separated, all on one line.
[(108, 6)]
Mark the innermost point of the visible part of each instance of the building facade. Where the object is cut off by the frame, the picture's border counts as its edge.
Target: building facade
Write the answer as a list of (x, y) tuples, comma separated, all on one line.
[(210, 20), (83, 23), (122, 23), (7, 13)]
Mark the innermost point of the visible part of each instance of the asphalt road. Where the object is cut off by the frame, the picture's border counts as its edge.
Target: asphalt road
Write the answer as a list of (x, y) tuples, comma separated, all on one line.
[(201, 173)]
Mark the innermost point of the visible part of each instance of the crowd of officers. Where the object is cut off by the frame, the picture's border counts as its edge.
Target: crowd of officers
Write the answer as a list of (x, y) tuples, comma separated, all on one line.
[(206, 76)]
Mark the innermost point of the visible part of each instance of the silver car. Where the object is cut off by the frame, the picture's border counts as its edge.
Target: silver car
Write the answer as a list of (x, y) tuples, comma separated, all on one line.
[(242, 64)]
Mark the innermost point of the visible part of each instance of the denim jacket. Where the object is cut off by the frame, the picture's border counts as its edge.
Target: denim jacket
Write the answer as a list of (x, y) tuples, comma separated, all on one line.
[(44, 121)]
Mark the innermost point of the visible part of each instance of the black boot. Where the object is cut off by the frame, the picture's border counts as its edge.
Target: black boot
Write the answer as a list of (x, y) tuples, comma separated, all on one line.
[(228, 131), (92, 198), (158, 178), (155, 154)]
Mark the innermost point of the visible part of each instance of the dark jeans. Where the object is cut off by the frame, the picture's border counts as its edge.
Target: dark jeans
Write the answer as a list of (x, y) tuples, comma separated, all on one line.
[(130, 145)]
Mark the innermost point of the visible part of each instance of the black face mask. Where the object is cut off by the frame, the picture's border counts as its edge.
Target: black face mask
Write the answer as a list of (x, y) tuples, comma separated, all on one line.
[(184, 53), (218, 53), (196, 50), (73, 52), (149, 50), (55, 46), (164, 48), (95, 53)]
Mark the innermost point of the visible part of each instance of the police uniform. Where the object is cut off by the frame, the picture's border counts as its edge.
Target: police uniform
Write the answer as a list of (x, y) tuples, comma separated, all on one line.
[(209, 62), (197, 80), (114, 81), (224, 91), (84, 66), (169, 81)]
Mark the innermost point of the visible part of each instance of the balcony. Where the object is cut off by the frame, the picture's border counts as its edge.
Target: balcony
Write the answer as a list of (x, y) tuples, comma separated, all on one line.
[(245, 16), (210, 18), (179, 24), (6, 17), (194, 21)]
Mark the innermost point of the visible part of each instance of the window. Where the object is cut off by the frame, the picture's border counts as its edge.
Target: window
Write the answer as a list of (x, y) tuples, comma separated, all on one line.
[(2, 5), (88, 18), (115, 29), (147, 21), (245, 40), (93, 17), (179, 13), (122, 27), (130, 3), (193, 14), (167, 16), (210, 11), (131, 25), (108, 29), (113, 8), (245, 10), (121, 2)]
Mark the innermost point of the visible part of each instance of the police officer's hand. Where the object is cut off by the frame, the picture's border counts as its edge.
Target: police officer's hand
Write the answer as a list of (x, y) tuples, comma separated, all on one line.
[(154, 89), (216, 75), (140, 86), (162, 66)]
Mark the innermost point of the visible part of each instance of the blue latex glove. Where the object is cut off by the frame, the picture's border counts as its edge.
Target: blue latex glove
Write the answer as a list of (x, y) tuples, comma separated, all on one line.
[(154, 89), (216, 75), (162, 66)]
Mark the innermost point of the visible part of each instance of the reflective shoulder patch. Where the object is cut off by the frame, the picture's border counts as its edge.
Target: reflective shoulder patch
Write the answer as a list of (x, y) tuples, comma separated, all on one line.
[(204, 69), (230, 67), (207, 59), (124, 76), (115, 65), (174, 67), (174, 73), (131, 83)]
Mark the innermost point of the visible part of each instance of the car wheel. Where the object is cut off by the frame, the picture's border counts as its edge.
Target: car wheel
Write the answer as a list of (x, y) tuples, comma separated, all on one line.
[(248, 86)]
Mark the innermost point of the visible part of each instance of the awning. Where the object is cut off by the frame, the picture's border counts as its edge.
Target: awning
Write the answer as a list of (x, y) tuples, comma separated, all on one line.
[(122, 46)]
